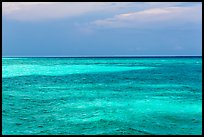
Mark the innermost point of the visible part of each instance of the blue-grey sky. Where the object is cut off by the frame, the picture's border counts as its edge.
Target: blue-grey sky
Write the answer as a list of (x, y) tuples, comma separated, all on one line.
[(101, 29)]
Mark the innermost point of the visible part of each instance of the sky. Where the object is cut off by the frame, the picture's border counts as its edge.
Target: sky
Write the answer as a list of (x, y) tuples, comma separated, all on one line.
[(101, 28)]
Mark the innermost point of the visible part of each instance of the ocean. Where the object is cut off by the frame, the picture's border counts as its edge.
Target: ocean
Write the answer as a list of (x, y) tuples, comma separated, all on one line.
[(110, 96)]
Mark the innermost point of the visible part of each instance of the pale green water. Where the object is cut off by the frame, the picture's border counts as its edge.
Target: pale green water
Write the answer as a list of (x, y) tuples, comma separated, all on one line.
[(102, 96)]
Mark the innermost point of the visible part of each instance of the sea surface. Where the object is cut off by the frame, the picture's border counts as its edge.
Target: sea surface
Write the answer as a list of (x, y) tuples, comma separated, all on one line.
[(52, 96)]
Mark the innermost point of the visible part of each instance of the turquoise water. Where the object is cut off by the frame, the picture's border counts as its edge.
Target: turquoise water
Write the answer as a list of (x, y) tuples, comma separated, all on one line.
[(102, 96)]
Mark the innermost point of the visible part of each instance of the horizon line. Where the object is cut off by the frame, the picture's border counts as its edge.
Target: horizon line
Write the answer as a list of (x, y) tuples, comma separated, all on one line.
[(87, 56)]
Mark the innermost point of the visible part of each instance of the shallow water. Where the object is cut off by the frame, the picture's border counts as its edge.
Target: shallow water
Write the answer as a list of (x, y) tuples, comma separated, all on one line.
[(102, 96)]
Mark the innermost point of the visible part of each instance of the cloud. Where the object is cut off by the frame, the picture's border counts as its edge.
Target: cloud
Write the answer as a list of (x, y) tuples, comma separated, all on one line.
[(35, 11), (155, 16), (10, 7), (127, 14)]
